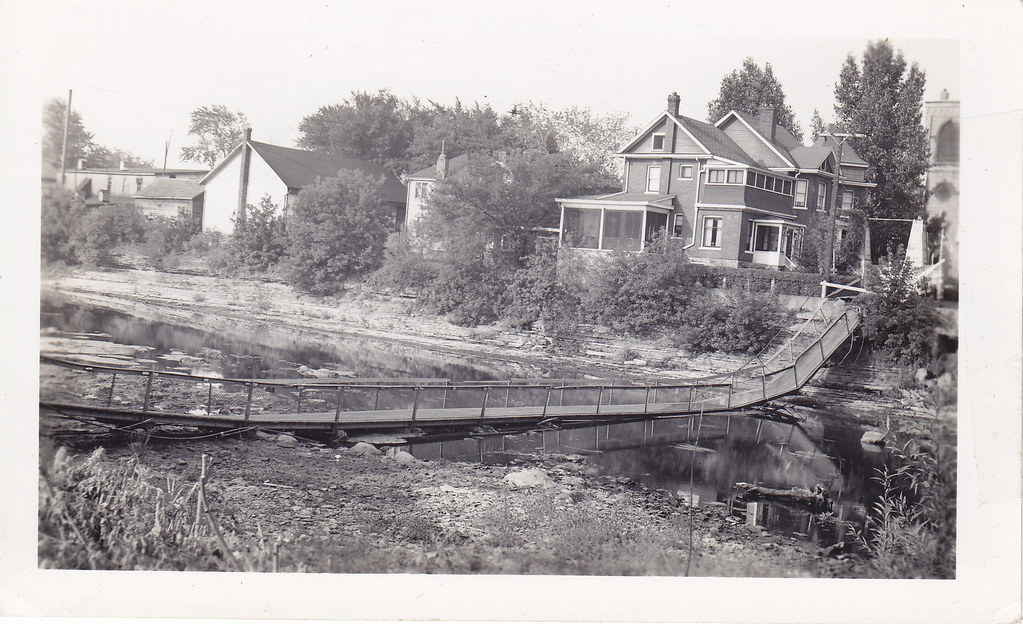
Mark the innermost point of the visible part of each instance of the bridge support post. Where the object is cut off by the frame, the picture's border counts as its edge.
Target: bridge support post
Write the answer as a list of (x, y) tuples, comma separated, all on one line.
[(795, 376), (110, 397), (209, 398), (600, 395), (820, 343), (415, 405), (337, 412), (149, 386), (646, 405), (376, 399), (299, 408), (763, 378), (546, 403), (248, 401), (483, 408), (728, 403), (691, 390)]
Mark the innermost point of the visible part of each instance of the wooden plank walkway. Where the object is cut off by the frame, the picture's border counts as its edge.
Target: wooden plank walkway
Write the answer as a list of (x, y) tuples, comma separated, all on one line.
[(145, 398)]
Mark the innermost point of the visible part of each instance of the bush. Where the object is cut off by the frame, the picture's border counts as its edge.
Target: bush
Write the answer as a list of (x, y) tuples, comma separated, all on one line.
[(646, 292), (101, 229), (898, 320), (537, 295), (337, 232), (469, 293), (166, 237), (257, 243), (407, 266), (738, 322), (61, 210)]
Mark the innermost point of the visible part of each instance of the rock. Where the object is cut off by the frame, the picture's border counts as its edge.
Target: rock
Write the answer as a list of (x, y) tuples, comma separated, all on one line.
[(364, 448), (531, 477), (921, 375), (873, 437), (404, 458), (286, 440)]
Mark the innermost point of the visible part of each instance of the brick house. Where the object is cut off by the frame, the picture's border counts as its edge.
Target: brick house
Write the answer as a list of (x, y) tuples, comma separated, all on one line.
[(739, 192), (254, 170)]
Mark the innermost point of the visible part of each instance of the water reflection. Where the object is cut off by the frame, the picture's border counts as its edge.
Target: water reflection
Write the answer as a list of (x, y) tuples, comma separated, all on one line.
[(715, 452), (264, 352)]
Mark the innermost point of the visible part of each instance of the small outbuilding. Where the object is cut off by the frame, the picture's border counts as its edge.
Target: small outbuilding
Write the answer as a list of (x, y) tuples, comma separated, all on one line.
[(169, 197)]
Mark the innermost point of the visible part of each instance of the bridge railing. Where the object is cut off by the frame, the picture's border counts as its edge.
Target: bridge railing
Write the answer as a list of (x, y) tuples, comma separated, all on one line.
[(156, 392)]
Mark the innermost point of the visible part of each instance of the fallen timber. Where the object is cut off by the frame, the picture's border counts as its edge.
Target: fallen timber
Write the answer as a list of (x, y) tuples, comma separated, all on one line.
[(130, 398)]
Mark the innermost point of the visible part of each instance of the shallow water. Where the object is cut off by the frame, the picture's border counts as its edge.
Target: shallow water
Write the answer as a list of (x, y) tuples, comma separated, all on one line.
[(700, 459)]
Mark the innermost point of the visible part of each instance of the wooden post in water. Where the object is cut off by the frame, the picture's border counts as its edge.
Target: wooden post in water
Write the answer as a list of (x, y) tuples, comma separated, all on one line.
[(149, 386), (546, 402), (110, 397), (600, 395), (248, 401), (483, 408), (646, 407)]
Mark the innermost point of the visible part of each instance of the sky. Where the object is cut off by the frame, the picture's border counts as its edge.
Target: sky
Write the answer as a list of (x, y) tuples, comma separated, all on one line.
[(137, 69)]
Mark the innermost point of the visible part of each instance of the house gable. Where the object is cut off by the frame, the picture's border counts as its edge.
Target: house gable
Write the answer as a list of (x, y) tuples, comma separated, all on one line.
[(752, 142), (664, 126)]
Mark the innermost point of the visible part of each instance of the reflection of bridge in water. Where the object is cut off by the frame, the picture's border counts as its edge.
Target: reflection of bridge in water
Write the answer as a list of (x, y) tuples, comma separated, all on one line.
[(131, 397)]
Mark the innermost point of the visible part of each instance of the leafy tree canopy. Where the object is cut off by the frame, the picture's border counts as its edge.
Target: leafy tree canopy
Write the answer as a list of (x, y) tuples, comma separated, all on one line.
[(369, 126), (458, 129), (748, 90), (217, 130), (816, 125), (80, 144), (881, 99)]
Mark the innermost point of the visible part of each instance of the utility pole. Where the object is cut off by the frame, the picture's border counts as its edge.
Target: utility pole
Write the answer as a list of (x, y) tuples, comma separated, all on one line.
[(63, 143), (840, 138)]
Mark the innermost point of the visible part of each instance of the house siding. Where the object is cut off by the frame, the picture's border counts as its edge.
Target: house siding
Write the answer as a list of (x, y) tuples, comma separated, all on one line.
[(767, 200), (222, 191), (731, 194), (729, 253)]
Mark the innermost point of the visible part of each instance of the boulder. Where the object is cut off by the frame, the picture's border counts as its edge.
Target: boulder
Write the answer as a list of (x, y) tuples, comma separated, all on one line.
[(531, 477), (364, 448), (284, 439), (404, 458)]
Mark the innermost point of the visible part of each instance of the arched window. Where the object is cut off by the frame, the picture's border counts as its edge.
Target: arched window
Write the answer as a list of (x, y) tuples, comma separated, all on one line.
[(948, 143)]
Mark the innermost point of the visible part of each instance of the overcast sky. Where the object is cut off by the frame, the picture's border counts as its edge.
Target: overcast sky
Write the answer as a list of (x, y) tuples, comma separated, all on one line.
[(138, 68)]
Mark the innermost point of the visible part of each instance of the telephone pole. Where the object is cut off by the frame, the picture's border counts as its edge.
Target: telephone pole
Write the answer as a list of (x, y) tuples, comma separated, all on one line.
[(840, 138), (63, 143)]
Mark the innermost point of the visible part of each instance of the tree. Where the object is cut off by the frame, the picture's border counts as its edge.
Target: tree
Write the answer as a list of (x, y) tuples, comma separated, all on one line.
[(898, 320), (748, 90), (816, 125), (368, 126), (61, 210), (592, 138), (884, 101), (79, 140), (101, 156), (337, 231), (458, 129), (218, 131)]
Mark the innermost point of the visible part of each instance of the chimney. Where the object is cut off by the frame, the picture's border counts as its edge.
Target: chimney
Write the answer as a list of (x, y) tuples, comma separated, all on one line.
[(122, 167), (442, 163), (243, 180), (673, 102), (767, 120)]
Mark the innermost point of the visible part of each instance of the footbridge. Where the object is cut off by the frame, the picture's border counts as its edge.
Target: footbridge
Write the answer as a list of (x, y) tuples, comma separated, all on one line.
[(130, 398)]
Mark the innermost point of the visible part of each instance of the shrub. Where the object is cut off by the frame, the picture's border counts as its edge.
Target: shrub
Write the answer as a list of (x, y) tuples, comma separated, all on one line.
[(103, 228), (738, 322), (337, 232), (898, 320), (61, 210), (538, 295), (406, 265), (165, 237), (469, 293)]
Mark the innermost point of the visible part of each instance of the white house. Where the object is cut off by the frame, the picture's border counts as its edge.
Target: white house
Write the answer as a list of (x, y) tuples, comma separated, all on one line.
[(421, 183), (254, 170)]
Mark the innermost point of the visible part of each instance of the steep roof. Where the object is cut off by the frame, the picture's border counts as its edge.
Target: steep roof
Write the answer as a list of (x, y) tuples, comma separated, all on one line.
[(299, 168), (171, 188), (810, 157), (430, 173), (779, 139), (849, 155), (715, 140)]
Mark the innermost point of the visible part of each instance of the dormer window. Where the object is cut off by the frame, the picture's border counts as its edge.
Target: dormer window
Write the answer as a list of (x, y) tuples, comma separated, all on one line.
[(658, 141)]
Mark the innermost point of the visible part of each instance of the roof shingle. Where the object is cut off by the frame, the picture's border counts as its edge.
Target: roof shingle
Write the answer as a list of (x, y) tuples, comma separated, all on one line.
[(171, 188)]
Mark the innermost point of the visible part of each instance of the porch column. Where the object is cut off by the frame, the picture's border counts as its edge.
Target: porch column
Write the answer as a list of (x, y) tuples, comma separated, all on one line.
[(642, 231), (600, 236)]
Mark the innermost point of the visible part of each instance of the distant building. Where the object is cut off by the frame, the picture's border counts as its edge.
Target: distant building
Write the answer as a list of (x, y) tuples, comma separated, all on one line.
[(255, 170), (941, 118), (740, 192), (420, 184), (95, 183), (168, 198)]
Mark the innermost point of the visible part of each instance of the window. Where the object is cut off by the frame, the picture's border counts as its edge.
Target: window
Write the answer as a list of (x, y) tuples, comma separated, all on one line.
[(801, 193), (751, 178), (847, 200), (582, 228), (948, 143), (735, 176), (422, 189), (779, 185), (138, 184), (822, 191), (767, 238), (761, 180), (716, 176), (653, 178), (658, 141), (685, 172), (621, 230), (712, 232), (787, 189)]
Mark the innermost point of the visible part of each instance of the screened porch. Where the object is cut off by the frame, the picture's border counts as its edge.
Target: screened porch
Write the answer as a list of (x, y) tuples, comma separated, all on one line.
[(610, 229)]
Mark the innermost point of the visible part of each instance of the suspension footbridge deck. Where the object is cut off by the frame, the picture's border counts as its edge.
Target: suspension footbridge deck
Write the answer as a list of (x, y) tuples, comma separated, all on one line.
[(136, 398)]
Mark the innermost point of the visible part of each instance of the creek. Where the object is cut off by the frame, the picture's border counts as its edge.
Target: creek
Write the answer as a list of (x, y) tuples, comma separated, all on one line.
[(697, 459)]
